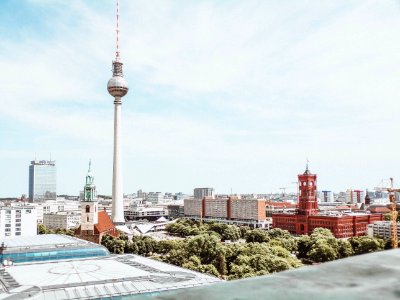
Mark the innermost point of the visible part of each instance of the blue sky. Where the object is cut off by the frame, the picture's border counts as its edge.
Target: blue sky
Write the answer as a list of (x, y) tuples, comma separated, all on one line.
[(229, 94)]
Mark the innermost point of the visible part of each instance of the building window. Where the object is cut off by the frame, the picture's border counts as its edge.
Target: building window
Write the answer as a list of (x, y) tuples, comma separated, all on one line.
[(87, 218), (87, 208)]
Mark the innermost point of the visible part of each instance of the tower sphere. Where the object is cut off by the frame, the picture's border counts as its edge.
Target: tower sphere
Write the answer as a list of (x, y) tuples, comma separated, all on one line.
[(117, 86)]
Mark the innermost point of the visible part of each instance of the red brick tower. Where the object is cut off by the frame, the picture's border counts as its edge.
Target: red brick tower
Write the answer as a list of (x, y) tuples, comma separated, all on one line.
[(307, 200), (308, 205)]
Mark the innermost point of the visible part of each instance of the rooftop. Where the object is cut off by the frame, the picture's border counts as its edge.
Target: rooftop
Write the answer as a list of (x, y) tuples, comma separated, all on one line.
[(96, 278), (43, 241), (48, 247)]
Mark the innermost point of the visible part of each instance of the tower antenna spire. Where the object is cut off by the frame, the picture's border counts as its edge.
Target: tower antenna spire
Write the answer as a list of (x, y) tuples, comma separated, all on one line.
[(117, 52)]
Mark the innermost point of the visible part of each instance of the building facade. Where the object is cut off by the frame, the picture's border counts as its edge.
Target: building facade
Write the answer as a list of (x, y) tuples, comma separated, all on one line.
[(154, 197), (230, 210), (382, 229), (151, 213), (18, 221), (307, 217), (42, 180), (175, 211), (62, 220), (200, 193), (355, 196), (327, 196)]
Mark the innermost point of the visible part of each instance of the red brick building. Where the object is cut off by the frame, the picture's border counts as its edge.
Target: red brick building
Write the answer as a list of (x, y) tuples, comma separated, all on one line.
[(306, 218), (104, 226)]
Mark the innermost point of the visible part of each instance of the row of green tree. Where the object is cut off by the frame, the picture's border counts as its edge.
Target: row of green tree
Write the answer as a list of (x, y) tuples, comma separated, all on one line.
[(205, 253), (260, 252), (320, 246), (42, 229)]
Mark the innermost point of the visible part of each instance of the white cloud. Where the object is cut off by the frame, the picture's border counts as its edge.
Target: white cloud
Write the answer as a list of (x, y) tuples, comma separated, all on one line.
[(272, 83)]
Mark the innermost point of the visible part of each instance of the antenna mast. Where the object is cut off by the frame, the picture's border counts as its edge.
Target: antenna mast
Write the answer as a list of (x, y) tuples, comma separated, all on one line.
[(117, 53)]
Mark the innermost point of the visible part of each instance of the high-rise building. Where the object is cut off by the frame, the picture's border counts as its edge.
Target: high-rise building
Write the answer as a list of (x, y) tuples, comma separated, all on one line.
[(17, 221), (42, 180), (117, 87), (327, 196), (355, 196), (200, 193)]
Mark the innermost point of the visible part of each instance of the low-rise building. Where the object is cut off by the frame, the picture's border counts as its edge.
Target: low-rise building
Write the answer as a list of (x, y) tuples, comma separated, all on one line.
[(151, 213), (154, 197), (382, 229), (175, 211), (62, 220)]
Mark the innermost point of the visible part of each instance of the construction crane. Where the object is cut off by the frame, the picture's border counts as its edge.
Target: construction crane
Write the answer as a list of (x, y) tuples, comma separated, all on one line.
[(393, 211)]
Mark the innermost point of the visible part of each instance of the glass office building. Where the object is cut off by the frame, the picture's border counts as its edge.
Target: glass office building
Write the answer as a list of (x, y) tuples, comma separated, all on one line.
[(42, 180)]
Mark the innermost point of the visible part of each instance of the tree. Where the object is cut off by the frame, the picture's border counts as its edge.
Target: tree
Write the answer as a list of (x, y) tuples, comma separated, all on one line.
[(320, 246), (146, 245), (322, 251), (243, 230), (195, 264), (345, 249), (256, 236), (204, 246), (366, 244), (303, 246), (118, 246), (230, 232), (42, 229), (108, 242)]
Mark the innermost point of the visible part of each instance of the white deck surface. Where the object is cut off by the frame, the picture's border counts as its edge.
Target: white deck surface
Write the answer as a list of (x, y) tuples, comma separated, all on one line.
[(40, 240), (95, 278)]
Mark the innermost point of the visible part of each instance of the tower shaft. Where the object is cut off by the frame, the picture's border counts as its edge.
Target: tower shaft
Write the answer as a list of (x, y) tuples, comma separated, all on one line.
[(117, 190)]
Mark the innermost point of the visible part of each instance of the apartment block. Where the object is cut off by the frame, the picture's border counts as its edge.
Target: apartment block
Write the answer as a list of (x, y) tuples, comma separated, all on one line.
[(382, 229), (193, 207), (248, 209), (18, 221), (216, 208)]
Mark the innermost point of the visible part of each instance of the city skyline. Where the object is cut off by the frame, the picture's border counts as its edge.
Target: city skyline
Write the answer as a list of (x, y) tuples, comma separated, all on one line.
[(224, 94)]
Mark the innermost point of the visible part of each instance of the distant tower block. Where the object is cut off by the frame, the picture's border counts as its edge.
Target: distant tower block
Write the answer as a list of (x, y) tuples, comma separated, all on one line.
[(117, 87)]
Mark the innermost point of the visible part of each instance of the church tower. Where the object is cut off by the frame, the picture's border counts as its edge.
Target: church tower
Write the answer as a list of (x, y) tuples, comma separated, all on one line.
[(89, 205)]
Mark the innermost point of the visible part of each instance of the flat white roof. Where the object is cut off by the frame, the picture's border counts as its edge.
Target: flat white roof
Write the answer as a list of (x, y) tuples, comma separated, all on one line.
[(96, 278), (39, 241)]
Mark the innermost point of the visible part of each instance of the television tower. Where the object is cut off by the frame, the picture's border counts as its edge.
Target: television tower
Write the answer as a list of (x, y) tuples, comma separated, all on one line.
[(117, 87)]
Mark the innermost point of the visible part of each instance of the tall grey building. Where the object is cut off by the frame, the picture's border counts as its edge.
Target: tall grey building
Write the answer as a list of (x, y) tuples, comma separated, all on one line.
[(200, 193), (42, 180)]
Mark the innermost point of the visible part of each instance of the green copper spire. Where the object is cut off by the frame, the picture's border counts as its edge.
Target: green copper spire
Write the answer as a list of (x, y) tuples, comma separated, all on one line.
[(90, 188)]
